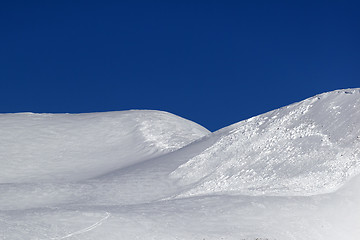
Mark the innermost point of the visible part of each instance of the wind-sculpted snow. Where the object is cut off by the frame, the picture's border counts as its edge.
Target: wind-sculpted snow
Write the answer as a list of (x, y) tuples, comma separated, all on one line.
[(290, 174), (306, 148), (58, 147)]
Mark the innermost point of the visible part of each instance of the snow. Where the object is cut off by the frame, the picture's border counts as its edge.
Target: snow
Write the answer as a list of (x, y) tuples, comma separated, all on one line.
[(306, 148), (53, 147), (292, 173)]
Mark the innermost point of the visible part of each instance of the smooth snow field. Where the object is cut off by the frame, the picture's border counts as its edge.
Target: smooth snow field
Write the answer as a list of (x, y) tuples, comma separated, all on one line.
[(289, 174)]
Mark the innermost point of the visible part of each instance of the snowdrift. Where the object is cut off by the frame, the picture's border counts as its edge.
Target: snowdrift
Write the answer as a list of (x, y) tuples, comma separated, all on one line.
[(306, 148), (292, 173), (67, 147)]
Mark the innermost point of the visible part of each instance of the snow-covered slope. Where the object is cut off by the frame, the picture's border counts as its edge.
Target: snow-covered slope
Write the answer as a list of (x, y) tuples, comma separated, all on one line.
[(66, 147), (290, 174), (309, 147)]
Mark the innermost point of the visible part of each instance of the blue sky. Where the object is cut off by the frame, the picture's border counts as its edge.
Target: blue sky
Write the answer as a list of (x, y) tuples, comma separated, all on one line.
[(213, 62)]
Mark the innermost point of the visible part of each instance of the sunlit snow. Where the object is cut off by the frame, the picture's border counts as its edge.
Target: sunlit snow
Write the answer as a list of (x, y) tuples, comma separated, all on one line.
[(292, 173)]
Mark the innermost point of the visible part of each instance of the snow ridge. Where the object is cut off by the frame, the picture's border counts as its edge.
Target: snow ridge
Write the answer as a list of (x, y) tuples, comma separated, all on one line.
[(292, 173), (52, 147), (306, 148)]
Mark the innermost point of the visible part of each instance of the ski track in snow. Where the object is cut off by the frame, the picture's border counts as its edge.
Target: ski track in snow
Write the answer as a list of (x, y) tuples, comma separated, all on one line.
[(92, 227)]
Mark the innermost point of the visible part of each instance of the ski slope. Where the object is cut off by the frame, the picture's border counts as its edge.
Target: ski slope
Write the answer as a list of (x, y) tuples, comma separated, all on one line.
[(292, 173)]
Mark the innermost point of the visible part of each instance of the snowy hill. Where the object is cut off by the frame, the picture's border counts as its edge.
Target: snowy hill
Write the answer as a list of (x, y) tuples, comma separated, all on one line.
[(292, 173), (52, 147), (306, 148)]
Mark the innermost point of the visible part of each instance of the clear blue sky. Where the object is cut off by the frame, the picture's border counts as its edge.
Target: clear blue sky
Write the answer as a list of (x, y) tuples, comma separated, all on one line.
[(213, 62)]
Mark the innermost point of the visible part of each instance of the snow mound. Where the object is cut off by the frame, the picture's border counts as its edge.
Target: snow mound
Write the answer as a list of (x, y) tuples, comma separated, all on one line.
[(106, 175), (67, 147), (306, 148)]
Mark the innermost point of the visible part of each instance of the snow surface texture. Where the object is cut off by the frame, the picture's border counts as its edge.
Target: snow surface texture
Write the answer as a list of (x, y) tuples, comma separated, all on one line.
[(51, 147), (292, 173), (306, 148)]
